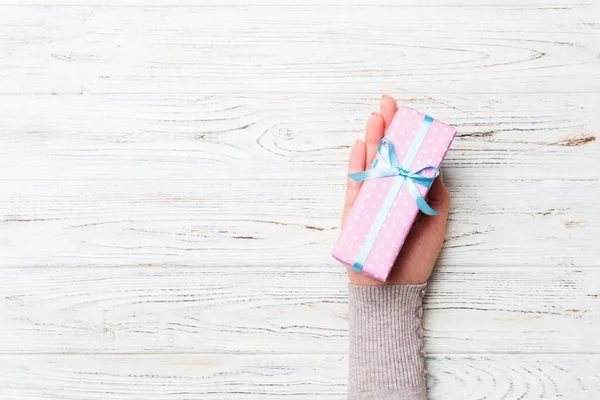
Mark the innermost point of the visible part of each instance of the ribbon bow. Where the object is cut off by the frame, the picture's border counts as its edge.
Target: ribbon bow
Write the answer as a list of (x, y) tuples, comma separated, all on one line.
[(390, 166)]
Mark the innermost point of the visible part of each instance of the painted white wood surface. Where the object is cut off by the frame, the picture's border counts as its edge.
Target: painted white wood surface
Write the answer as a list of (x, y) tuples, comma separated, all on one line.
[(172, 171), (359, 50), (279, 222), (192, 137), (323, 376), (286, 309)]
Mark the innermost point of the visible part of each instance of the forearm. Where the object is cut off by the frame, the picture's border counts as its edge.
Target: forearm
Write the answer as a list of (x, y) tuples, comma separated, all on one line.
[(386, 343)]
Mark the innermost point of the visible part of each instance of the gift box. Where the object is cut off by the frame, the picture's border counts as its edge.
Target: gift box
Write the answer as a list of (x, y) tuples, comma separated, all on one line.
[(393, 192)]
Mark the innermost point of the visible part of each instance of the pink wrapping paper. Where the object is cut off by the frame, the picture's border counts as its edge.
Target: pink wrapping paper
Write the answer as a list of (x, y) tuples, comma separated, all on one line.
[(404, 210)]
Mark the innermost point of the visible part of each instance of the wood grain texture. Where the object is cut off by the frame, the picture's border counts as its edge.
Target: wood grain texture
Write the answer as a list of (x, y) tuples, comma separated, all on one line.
[(302, 49), (119, 137), (171, 174), (285, 310), (278, 222), (211, 376)]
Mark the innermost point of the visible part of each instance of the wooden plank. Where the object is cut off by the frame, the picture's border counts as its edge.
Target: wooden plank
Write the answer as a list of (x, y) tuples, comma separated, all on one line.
[(120, 137), (352, 50), (287, 376), (285, 309), (272, 223)]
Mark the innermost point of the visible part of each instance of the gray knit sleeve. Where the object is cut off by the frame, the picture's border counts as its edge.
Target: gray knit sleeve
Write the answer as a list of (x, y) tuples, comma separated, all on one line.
[(386, 343)]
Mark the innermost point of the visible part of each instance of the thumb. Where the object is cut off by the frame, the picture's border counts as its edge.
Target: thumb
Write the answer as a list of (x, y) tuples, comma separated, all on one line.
[(356, 163)]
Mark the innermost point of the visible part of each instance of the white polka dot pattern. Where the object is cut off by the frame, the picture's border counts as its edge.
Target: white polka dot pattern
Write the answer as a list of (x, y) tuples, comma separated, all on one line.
[(404, 211)]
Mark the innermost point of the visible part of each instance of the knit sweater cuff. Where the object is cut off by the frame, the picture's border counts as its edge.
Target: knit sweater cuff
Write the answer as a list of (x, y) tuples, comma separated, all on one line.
[(386, 343)]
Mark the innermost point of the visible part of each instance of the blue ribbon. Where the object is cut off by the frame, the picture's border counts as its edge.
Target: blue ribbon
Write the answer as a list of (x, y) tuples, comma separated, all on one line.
[(391, 167), (387, 166)]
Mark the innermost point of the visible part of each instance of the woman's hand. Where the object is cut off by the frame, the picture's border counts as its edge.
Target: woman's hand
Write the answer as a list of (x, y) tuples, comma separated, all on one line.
[(424, 242)]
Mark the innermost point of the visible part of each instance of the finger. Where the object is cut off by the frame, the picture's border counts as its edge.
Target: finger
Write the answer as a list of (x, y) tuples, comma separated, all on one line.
[(356, 163), (388, 108), (439, 196), (439, 199), (374, 134)]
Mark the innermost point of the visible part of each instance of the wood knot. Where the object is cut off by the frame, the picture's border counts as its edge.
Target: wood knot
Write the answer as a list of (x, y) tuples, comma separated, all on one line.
[(572, 224), (284, 133), (108, 334), (576, 141)]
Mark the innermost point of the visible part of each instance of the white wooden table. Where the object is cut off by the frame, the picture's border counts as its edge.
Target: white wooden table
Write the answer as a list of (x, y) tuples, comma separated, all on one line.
[(172, 172)]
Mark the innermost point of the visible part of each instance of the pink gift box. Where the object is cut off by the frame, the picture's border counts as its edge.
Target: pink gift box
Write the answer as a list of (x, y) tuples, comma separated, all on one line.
[(370, 240)]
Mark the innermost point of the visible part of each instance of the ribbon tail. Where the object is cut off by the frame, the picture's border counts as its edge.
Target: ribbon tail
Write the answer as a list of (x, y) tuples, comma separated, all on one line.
[(424, 207), (373, 173), (419, 200), (359, 176)]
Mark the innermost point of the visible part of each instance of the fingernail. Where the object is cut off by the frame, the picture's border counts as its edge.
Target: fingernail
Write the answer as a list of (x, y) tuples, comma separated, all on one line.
[(442, 176), (373, 114)]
